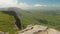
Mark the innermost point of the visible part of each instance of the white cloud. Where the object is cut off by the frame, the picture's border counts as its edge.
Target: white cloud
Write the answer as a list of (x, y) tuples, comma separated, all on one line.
[(23, 5), (39, 5), (14, 3), (7, 3), (26, 6)]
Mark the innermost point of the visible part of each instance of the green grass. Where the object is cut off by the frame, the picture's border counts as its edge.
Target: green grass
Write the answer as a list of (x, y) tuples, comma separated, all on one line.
[(36, 17), (7, 23)]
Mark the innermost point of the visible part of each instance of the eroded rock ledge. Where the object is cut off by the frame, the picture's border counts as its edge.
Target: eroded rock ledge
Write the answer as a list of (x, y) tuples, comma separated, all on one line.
[(3, 32), (38, 29)]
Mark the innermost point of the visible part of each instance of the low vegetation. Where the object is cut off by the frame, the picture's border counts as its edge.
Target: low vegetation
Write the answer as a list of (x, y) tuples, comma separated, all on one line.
[(7, 23), (47, 18)]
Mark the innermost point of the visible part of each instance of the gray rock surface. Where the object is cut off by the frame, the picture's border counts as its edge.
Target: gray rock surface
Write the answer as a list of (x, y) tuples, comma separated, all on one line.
[(38, 29), (3, 32)]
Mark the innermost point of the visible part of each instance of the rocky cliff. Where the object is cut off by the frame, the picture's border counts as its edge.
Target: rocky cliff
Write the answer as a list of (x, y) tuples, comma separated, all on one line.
[(14, 14), (38, 29)]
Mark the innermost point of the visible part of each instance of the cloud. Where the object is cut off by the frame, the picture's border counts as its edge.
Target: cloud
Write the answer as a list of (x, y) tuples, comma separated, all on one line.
[(26, 6), (39, 5), (7, 3), (14, 3), (23, 5)]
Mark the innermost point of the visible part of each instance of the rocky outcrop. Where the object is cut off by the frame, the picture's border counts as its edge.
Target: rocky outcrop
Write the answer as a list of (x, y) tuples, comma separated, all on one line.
[(14, 14), (38, 29)]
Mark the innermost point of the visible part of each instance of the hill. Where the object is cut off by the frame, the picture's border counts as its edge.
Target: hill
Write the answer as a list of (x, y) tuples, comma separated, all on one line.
[(7, 23), (50, 18), (10, 21)]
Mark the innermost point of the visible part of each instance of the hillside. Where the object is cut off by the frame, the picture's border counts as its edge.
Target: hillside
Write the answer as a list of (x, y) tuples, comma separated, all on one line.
[(50, 18), (7, 23), (9, 20)]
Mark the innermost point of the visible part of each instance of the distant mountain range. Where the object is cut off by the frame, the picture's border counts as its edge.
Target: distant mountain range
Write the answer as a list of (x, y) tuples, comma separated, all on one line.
[(31, 8)]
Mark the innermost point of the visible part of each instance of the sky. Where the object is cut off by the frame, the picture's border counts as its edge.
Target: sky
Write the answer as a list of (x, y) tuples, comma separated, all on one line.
[(24, 4), (47, 2)]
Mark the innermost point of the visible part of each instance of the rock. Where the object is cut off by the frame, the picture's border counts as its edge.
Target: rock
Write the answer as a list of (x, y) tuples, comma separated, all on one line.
[(53, 31), (6, 33), (3, 32), (31, 29), (38, 29)]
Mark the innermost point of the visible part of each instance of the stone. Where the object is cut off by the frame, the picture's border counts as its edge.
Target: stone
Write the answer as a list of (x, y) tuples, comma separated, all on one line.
[(2, 32), (38, 29)]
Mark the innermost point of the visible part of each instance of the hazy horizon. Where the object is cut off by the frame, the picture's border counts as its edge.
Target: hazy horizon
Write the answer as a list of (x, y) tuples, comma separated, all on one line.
[(31, 4)]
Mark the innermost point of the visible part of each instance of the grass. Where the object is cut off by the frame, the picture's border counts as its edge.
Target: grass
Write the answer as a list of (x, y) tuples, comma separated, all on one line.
[(7, 23), (36, 17)]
